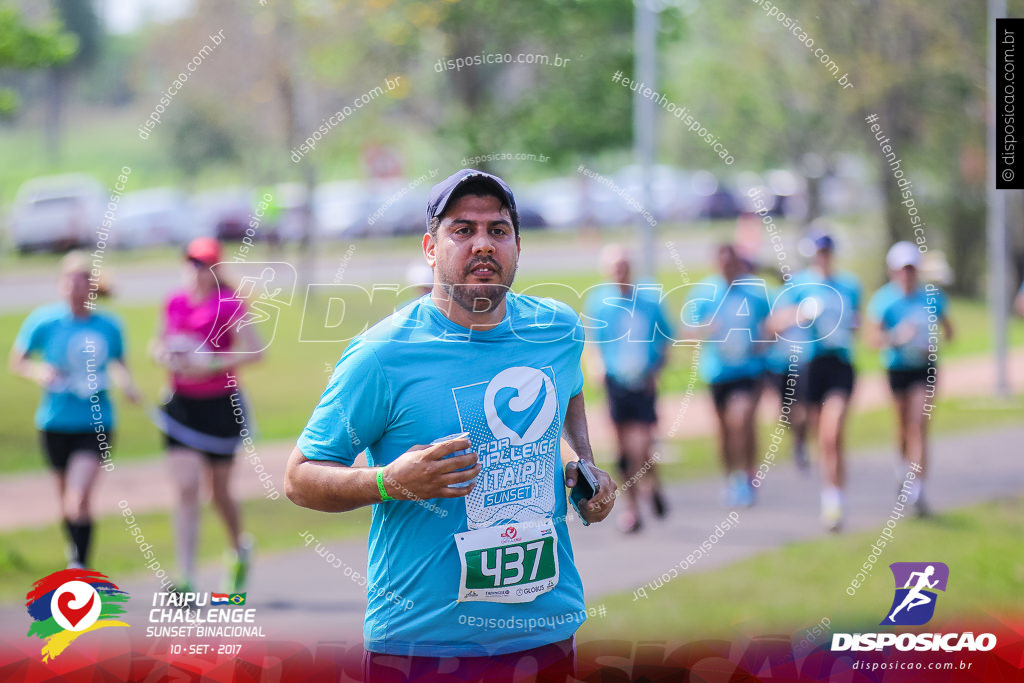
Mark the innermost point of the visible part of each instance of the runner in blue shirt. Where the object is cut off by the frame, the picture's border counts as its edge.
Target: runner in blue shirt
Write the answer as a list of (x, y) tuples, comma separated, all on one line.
[(632, 335), (482, 572), (78, 351), (732, 310), (827, 304), (904, 320)]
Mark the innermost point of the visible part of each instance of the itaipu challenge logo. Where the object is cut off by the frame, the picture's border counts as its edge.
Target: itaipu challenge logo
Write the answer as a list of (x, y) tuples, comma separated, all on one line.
[(71, 603), (914, 603)]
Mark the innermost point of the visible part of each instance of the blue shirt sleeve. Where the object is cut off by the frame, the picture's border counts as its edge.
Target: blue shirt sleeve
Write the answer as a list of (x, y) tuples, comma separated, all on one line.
[(877, 306), (353, 410), (665, 330), (701, 308), (31, 335)]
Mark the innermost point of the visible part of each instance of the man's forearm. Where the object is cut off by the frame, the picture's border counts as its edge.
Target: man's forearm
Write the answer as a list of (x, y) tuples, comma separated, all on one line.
[(575, 428), (331, 487)]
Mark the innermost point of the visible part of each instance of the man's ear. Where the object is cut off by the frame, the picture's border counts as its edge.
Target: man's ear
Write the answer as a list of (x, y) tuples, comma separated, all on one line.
[(429, 245)]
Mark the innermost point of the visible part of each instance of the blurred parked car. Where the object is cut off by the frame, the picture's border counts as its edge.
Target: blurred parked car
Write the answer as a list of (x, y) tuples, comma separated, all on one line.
[(224, 213), (341, 208), (713, 199), (56, 213), (395, 209), (156, 216), (559, 201), (673, 198)]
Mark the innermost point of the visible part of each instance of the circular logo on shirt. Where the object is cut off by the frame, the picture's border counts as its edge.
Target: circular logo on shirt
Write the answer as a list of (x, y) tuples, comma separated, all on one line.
[(528, 384)]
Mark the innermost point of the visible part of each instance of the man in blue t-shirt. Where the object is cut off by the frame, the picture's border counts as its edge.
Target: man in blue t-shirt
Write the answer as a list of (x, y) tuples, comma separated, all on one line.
[(632, 335), (459, 400), (731, 310), (904, 318)]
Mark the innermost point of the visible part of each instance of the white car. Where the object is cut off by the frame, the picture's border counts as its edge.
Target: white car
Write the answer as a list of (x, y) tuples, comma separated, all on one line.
[(339, 207), (57, 212), (153, 217)]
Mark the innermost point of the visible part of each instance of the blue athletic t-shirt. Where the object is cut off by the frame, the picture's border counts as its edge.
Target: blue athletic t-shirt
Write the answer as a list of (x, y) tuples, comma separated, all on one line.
[(834, 303), (776, 359), (630, 331), (735, 341), (921, 311), (79, 349), (415, 377)]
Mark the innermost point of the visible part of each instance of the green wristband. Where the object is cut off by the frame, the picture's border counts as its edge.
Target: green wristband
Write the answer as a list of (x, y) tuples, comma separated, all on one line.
[(380, 486)]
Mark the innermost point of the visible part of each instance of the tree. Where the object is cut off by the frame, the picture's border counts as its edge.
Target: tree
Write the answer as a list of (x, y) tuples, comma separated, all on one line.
[(79, 17), (920, 68), (565, 111), (23, 47), (203, 136)]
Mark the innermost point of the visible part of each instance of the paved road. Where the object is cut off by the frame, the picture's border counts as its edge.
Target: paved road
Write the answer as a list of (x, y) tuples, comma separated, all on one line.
[(29, 500), (299, 597)]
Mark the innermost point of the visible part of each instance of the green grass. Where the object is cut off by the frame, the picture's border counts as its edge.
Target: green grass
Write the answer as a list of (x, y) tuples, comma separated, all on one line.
[(28, 554), (793, 588)]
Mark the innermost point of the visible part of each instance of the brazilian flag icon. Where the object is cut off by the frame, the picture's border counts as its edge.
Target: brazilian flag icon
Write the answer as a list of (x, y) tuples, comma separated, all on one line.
[(237, 598)]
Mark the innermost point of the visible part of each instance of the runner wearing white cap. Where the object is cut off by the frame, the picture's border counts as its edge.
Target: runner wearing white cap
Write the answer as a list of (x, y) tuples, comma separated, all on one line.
[(904, 318)]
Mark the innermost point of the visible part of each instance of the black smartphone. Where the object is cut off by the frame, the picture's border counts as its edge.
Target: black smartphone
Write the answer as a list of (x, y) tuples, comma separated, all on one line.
[(586, 488)]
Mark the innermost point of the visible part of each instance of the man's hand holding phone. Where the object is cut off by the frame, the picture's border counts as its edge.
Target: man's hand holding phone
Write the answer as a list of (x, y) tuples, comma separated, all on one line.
[(593, 491)]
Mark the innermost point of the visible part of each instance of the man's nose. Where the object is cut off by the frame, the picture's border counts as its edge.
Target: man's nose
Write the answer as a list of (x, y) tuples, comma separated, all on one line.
[(483, 244)]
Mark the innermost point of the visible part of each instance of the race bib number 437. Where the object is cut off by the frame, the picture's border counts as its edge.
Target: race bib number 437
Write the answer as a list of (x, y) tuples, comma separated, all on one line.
[(507, 563)]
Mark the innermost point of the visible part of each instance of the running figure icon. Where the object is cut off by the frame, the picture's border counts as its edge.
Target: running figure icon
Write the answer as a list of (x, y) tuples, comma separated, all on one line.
[(915, 597)]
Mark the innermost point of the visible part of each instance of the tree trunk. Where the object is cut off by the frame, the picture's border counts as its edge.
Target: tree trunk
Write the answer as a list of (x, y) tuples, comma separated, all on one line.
[(57, 84)]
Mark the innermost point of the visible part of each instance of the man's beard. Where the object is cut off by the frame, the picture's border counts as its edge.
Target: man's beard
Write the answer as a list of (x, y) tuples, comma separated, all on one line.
[(478, 297)]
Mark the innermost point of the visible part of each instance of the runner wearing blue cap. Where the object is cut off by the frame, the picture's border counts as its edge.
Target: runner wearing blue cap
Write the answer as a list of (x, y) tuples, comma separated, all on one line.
[(904, 320), (470, 358), (827, 304)]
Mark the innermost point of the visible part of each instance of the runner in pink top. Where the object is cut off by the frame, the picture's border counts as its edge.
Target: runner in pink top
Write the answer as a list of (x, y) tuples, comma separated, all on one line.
[(202, 344), (191, 324)]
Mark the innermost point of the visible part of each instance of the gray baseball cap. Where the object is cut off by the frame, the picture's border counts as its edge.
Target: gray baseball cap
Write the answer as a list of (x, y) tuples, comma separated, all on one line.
[(442, 192)]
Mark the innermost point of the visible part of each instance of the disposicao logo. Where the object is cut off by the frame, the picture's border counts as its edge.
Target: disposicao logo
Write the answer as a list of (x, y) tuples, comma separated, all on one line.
[(913, 605), (69, 603), (916, 583)]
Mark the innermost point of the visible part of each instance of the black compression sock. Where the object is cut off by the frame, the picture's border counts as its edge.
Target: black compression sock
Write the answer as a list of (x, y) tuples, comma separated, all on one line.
[(71, 539), (81, 537)]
